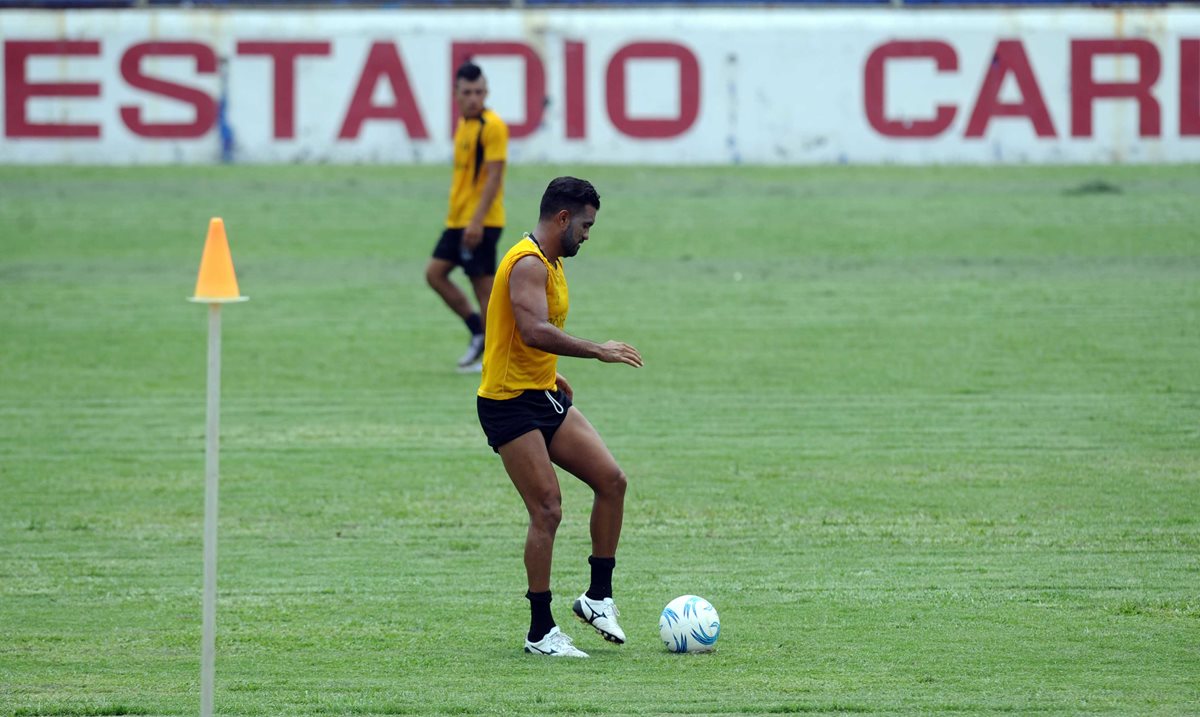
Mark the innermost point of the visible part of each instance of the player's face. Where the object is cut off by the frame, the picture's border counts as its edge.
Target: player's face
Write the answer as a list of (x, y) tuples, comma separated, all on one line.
[(577, 230), (470, 97)]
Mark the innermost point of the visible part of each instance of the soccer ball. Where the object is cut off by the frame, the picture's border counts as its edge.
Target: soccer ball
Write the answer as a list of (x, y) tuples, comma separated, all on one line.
[(689, 624)]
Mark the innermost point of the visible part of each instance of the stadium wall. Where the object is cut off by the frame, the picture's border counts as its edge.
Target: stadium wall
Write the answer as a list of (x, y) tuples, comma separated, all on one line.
[(669, 86)]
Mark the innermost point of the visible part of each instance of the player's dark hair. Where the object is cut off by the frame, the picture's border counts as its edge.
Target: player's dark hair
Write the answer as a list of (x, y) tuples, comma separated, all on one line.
[(568, 193), (468, 71)]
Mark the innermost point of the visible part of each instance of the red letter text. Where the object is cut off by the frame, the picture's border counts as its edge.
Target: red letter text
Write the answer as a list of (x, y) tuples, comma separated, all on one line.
[(576, 105), (1189, 88), (945, 59), (18, 90), (383, 62), (689, 90), (1010, 57), (205, 106), (283, 55), (1085, 89)]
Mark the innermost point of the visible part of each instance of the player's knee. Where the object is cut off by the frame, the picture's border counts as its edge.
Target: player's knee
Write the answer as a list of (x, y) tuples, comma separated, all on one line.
[(616, 484), (434, 276), (547, 513)]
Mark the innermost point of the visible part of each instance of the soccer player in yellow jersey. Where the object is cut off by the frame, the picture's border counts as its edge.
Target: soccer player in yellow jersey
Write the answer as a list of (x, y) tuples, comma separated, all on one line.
[(525, 408), (476, 215)]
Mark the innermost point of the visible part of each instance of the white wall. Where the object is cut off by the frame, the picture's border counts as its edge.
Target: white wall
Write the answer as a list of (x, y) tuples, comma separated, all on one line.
[(766, 86)]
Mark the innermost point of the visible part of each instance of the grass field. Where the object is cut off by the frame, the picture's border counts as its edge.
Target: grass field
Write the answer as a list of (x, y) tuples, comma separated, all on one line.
[(929, 439)]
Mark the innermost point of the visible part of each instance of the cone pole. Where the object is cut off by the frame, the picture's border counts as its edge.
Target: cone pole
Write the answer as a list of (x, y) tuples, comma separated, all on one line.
[(212, 466), (215, 285)]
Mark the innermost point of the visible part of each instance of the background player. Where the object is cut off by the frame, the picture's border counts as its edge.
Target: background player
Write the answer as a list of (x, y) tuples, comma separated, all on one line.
[(475, 218)]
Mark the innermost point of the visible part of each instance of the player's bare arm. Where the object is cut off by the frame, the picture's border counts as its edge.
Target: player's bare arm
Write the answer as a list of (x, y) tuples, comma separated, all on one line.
[(527, 289), (473, 233)]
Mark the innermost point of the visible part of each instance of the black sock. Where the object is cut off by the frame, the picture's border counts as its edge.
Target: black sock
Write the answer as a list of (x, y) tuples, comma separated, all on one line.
[(602, 569), (540, 620), (474, 324)]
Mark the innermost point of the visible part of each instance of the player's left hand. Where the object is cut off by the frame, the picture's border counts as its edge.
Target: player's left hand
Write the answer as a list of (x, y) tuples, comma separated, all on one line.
[(472, 236), (564, 386)]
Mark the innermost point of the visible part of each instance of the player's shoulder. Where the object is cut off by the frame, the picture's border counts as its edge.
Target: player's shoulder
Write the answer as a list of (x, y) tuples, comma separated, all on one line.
[(525, 252), (493, 125), (491, 118), (528, 266)]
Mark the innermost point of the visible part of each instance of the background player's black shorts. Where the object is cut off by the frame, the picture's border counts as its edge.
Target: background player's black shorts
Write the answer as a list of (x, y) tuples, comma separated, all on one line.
[(512, 418), (481, 262)]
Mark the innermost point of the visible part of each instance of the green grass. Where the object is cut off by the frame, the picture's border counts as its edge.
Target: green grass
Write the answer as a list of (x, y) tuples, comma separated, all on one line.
[(929, 439)]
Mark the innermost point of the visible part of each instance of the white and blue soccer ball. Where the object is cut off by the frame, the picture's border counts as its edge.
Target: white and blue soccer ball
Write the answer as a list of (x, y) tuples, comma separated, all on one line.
[(689, 624)]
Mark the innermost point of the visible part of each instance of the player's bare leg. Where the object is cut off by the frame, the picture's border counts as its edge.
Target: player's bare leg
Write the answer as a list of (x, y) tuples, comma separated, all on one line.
[(437, 273), (483, 291), (578, 448), (528, 466)]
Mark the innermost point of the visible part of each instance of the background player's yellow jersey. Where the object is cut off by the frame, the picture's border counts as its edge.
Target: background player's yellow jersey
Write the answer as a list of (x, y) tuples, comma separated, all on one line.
[(476, 142), (510, 366)]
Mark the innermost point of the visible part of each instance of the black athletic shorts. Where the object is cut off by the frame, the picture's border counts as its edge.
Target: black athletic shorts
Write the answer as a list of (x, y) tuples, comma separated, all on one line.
[(505, 420), (481, 262)]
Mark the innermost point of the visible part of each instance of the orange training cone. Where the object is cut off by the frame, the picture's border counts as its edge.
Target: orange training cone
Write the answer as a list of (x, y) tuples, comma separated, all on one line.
[(216, 283)]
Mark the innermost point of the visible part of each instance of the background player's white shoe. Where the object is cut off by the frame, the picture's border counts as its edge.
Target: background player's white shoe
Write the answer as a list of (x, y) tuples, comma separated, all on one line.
[(554, 644), (602, 615), (474, 351)]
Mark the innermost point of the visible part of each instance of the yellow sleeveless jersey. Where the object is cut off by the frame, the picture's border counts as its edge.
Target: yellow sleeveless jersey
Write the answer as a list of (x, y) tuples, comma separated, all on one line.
[(509, 365), (476, 142)]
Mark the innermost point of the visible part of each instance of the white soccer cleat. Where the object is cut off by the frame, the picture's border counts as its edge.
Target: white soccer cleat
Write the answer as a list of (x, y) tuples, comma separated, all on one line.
[(554, 644), (602, 615), (474, 351)]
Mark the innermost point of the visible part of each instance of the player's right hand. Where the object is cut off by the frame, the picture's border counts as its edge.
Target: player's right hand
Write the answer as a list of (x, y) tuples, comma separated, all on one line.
[(617, 352), (471, 237)]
